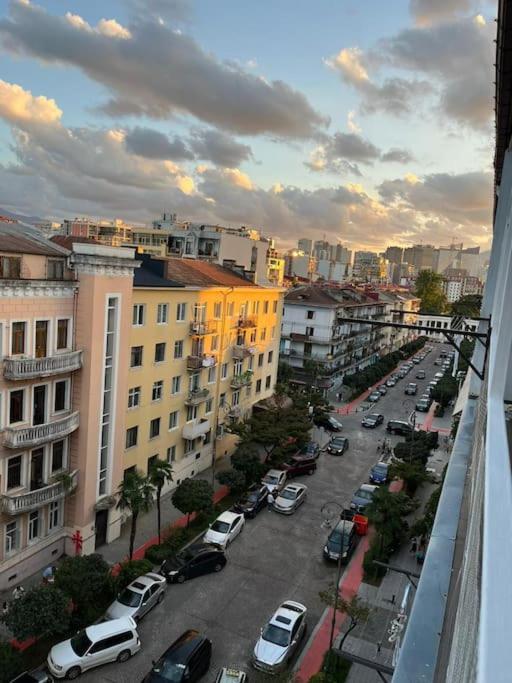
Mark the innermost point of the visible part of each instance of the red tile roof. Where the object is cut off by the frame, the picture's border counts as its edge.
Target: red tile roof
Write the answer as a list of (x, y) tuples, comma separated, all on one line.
[(21, 244), (203, 273)]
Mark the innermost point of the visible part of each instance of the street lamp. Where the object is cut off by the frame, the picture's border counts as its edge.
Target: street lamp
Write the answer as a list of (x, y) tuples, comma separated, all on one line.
[(412, 421), (330, 511)]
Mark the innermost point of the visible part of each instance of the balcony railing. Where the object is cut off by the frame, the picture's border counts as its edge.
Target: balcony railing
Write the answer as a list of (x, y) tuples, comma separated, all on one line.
[(200, 361), (202, 328), (25, 437), (241, 380), (28, 368), (196, 428), (31, 500), (241, 351), (197, 396), (246, 321)]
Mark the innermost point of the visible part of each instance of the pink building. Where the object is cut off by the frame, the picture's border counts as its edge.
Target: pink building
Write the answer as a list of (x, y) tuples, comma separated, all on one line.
[(63, 315)]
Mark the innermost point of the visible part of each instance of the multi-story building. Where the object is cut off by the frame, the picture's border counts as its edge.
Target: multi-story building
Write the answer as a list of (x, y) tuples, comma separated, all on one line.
[(401, 307), (62, 318), (453, 287), (313, 330), (275, 266), (305, 245), (299, 264), (204, 348), (394, 255), (112, 233), (370, 267), (421, 256)]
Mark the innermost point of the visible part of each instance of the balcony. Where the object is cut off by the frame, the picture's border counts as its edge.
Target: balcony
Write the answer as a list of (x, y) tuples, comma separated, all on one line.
[(198, 329), (234, 413), (247, 321), (200, 361), (241, 351), (31, 500), (243, 380), (27, 437), (196, 428), (197, 396), (28, 368)]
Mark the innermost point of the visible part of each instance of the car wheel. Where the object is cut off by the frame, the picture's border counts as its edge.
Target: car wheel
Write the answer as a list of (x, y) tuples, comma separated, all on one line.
[(180, 578), (217, 567), (73, 673), (124, 656), (161, 597)]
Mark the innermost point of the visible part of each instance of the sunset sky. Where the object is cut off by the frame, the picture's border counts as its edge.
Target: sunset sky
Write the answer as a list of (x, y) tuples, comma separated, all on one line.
[(368, 122)]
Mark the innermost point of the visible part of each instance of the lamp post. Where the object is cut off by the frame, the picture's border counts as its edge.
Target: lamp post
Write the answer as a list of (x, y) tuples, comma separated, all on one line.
[(330, 511), (412, 421)]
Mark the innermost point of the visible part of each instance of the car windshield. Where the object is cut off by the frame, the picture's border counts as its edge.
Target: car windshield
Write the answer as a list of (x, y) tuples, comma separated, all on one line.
[(169, 671), (220, 527), (80, 643), (336, 537), (288, 494), (338, 442), (366, 495), (251, 498), (380, 470), (129, 598), (271, 479), (275, 634)]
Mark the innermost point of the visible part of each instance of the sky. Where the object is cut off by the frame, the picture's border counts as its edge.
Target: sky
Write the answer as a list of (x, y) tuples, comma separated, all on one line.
[(365, 123)]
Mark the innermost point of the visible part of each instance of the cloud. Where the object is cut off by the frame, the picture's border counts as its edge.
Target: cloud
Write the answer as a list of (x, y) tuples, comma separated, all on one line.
[(169, 10), (342, 152), (150, 143), (400, 156), (351, 123), (427, 12), (218, 147), (159, 72), (19, 106)]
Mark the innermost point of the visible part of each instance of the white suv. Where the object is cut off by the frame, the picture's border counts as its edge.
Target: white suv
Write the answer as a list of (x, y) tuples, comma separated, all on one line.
[(110, 641)]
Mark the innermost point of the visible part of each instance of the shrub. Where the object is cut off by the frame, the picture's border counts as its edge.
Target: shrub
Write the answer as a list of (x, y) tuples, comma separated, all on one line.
[(41, 611), (11, 662), (130, 571), (174, 541)]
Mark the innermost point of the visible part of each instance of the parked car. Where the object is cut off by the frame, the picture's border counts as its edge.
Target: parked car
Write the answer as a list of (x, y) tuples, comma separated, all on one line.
[(379, 473), (138, 597), (390, 382), (338, 445), (37, 676), (274, 480), (374, 397), (311, 449), (416, 360), (290, 498), (252, 501), (438, 361), (280, 638), (197, 559), (411, 389), (299, 464), (420, 374), (342, 539), (231, 675), (399, 427), (439, 375), (423, 405), (109, 641), (186, 661), (225, 529), (461, 374), (328, 422), (363, 497), (372, 420), (382, 390)]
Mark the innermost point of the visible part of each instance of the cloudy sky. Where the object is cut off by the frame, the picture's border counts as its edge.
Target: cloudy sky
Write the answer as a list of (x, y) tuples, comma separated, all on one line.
[(368, 122)]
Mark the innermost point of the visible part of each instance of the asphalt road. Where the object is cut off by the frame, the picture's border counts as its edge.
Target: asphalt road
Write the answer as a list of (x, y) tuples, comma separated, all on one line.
[(275, 558)]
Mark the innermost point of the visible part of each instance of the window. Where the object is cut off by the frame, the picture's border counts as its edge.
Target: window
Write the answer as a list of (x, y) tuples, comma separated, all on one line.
[(270, 356), (189, 446), (178, 348), (39, 404), (16, 406), (208, 406), (212, 374), (134, 397), (129, 471), (62, 333), (251, 362), (263, 334), (238, 367), (265, 306), (176, 385), (61, 395), (154, 428), (136, 357), (260, 360), (12, 537), (131, 437), (214, 344), (110, 371), (162, 314), (231, 308), (207, 439), (55, 269), (222, 400), (235, 398), (54, 515), (258, 386), (310, 315), (138, 315), (160, 352), (10, 267), (33, 525), (274, 307), (248, 390), (181, 312), (273, 333), (255, 307), (156, 393), (253, 336), (217, 309), (18, 340), (191, 413), (14, 472), (173, 419), (267, 381), (171, 454), (151, 461), (57, 462), (41, 345), (224, 371)]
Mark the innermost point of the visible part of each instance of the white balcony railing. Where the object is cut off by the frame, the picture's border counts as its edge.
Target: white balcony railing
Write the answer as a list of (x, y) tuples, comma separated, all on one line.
[(31, 500), (22, 437), (195, 429), (27, 368)]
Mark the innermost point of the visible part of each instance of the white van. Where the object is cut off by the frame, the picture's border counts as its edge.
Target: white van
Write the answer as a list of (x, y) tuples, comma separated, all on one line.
[(110, 641)]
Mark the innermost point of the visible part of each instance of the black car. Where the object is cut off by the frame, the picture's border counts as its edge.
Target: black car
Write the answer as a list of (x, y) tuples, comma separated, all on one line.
[(193, 561), (373, 420), (310, 450), (338, 445), (399, 427), (188, 659), (253, 501), (38, 676), (329, 423), (342, 540)]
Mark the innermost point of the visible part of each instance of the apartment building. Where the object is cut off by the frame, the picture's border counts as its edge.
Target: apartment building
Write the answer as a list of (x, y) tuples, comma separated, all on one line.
[(62, 319), (204, 348), (401, 307), (313, 330)]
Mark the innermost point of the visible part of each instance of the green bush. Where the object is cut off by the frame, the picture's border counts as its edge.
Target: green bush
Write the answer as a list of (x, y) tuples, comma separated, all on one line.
[(174, 541), (11, 662), (374, 552), (130, 571)]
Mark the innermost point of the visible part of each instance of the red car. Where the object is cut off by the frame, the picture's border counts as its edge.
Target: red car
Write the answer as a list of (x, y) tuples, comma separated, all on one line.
[(299, 464)]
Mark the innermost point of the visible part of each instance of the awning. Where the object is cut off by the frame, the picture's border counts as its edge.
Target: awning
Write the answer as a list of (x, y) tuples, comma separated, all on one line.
[(463, 396)]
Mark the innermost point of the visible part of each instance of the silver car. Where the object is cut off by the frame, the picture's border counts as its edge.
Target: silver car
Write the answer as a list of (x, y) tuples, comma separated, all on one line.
[(138, 597), (280, 638), (290, 498)]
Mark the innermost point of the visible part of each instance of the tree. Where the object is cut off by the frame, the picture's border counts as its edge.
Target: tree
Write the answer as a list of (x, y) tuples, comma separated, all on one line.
[(467, 347), (130, 571), (356, 609), (160, 473), (87, 581), (193, 495), (233, 479), (136, 495), (246, 460), (429, 288), (11, 662), (41, 611), (412, 473), (386, 513), (412, 451), (312, 368), (468, 306), (445, 390)]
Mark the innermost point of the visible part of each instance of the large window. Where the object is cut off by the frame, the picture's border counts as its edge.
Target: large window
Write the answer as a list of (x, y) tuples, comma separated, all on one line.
[(156, 393), (16, 406), (217, 309), (191, 413), (61, 395), (138, 315), (19, 338), (162, 314), (132, 434), (58, 453), (154, 428), (223, 370), (176, 385), (10, 267), (62, 334), (181, 312), (270, 356), (54, 515), (173, 419), (134, 397), (212, 373), (160, 352), (12, 536), (41, 338), (171, 454), (34, 525), (14, 472), (55, 268), (189, 446), (136, 357), (268, 381), (178, 348)]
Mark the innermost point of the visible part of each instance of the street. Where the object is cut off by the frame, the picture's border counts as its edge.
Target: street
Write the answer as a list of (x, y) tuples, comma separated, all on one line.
[(275, 558)]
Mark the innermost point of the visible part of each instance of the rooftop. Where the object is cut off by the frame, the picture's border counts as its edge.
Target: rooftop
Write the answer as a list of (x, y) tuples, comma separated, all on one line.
[(17, 238), (327, 296), (203, 274)]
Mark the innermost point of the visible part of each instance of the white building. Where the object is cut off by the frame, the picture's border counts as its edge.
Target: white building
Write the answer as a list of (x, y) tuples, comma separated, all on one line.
[(453, 288)]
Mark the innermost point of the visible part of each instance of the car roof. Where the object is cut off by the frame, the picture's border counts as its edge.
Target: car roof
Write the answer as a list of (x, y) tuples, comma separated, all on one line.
[(184, 646), (276, 473), (110, 627), (381, 464), (295, 487), (374, 415), (228, 516), (142, 582), (368, 487), (344, 525), (287, 614)]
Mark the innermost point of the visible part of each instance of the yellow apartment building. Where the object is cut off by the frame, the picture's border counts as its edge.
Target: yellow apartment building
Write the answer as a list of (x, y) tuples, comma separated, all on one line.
[(204, 348)]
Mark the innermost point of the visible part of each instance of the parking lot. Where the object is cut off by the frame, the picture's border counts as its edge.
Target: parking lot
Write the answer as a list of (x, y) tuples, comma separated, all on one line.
[(275, 558)]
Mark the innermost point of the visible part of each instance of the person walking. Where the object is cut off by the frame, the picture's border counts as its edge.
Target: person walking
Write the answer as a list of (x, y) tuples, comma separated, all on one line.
[(270, 500)]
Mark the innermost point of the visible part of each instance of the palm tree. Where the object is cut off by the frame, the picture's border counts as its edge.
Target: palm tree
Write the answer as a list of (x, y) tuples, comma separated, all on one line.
[(136, 495), (159, 474)]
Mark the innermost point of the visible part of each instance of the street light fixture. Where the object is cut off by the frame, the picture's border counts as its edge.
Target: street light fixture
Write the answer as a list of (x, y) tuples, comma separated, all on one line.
[(331, 511)]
